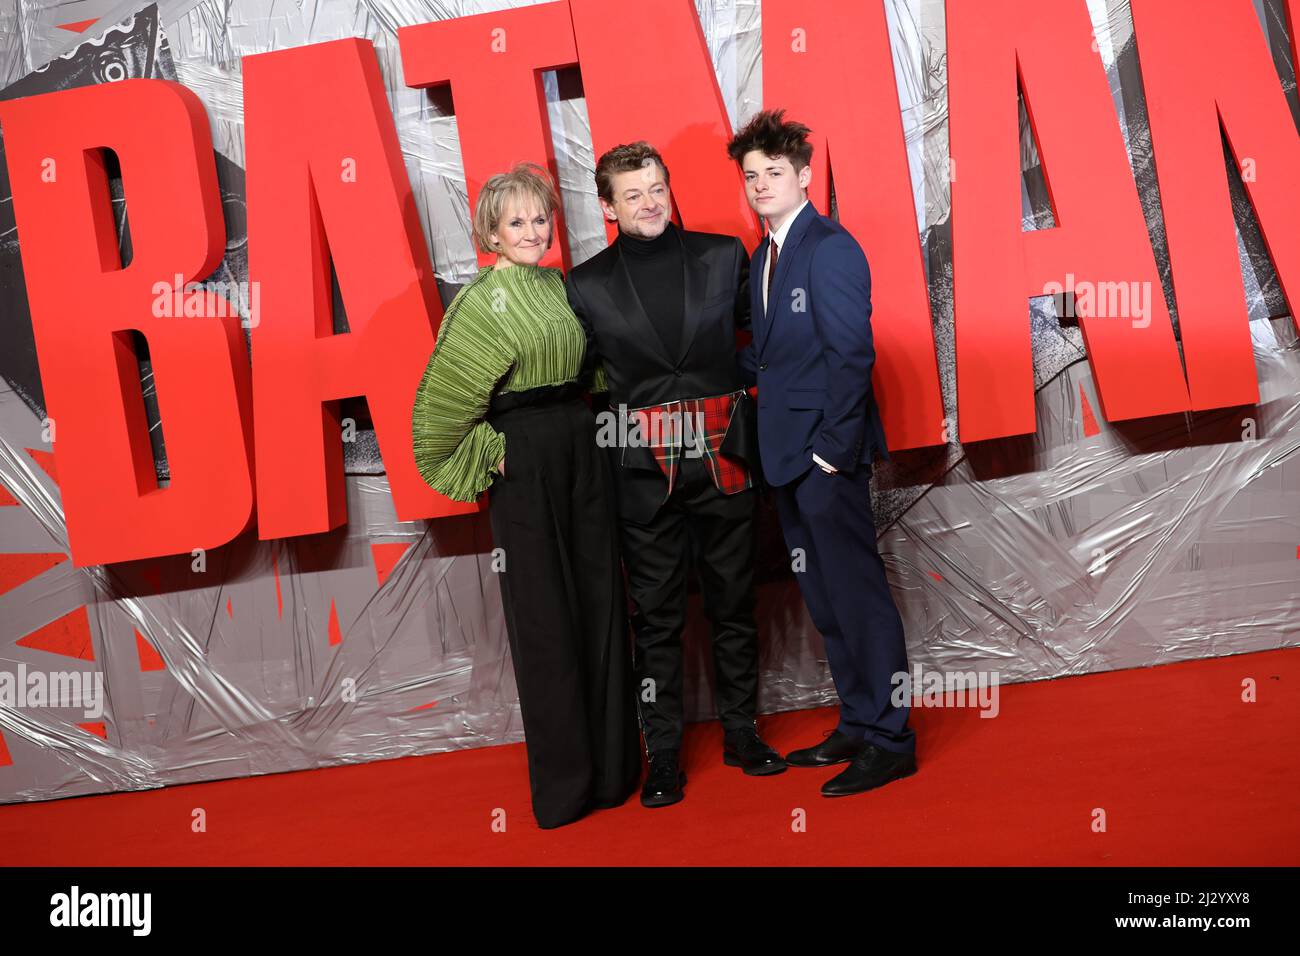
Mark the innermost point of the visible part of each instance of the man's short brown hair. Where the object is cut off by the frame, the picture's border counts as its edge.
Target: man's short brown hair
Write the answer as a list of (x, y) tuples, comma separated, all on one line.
[(772, 135), (624, 159)]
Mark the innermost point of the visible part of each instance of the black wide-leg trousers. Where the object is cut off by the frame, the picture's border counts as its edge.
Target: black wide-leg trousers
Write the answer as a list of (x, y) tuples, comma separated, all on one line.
[(553, 516), (715, 531)]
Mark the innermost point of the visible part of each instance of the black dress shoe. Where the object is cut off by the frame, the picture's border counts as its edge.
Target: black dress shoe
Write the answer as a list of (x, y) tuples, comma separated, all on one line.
[(745, 748), (837, 748), (871, 768), (663, 785)]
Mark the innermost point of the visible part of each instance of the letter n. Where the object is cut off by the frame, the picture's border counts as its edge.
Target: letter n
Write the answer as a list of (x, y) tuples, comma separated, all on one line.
[(1100, 234), (1207, 70)]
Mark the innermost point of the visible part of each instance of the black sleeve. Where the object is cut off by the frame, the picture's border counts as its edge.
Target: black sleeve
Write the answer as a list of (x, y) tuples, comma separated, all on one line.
[(746, 360), (590, 358), (743, 318)]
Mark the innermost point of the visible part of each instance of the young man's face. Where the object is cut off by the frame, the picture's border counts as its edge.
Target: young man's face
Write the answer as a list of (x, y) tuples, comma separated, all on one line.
[(773, 188), (642, 203)]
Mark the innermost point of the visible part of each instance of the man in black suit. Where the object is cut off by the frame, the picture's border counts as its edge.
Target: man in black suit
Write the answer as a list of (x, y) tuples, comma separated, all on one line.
[(661, 305)]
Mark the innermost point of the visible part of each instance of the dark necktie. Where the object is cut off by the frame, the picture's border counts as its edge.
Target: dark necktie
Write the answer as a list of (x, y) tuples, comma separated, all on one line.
[(771, 271)]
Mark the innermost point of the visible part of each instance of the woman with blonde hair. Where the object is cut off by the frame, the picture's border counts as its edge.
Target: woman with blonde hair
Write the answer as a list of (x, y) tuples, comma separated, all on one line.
[(500, 409)]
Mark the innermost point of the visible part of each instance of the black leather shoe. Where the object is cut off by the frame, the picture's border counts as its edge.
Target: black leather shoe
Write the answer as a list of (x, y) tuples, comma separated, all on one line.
[(837, 748), (663, 785), (871, 768), (745, 748)]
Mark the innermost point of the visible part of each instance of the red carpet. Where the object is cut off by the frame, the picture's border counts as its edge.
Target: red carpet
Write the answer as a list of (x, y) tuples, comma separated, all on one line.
[(1186, 773)]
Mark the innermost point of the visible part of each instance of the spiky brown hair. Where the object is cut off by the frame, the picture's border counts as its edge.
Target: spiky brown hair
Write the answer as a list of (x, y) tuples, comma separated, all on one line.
[(771, 134)]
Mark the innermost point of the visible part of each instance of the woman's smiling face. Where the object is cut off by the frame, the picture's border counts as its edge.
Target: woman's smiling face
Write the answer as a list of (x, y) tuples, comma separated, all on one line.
[(524, 233)]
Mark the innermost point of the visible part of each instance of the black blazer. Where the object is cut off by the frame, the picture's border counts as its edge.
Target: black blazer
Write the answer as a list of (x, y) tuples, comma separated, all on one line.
[(638, 367)]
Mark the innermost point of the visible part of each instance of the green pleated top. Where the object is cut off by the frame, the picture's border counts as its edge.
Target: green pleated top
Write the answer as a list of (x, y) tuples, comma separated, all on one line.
[(507, 330)]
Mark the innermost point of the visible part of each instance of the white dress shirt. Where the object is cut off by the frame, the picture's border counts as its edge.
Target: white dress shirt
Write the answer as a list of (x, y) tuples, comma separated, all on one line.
[(778, 237)]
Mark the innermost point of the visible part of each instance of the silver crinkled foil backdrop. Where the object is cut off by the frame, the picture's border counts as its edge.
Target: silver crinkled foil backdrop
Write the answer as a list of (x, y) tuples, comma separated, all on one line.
[(1077, 549)]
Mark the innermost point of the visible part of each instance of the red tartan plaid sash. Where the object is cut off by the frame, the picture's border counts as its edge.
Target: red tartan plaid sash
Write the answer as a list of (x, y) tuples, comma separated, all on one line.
[(695, 427)]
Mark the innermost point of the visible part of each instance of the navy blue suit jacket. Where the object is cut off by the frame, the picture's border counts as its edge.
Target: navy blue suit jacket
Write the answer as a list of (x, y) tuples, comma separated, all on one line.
[(812, 353)]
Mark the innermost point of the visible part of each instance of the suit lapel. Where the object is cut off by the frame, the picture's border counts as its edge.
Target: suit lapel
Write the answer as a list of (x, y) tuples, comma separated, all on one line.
[(784, 265), (695, 279)]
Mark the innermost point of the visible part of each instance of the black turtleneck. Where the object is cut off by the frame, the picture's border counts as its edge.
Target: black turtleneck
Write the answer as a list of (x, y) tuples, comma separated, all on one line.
[(656, 269)]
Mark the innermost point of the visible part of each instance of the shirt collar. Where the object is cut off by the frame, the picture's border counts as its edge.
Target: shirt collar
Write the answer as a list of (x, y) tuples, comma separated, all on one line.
[(779, 236)]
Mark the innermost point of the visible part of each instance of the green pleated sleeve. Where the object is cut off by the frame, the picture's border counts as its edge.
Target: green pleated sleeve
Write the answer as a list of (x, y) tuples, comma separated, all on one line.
[(456, 450)]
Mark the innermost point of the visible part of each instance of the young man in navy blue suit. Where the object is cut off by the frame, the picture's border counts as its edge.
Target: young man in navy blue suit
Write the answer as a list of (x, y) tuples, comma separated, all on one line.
[(818, 426)]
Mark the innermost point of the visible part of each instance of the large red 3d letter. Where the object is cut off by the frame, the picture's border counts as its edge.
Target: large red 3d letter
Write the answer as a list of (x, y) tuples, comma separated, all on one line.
[(809, 49), (1099, 245), (1188, 107), (494, 64), (649, 76), (84, 305), (326, 180)]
